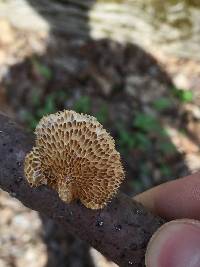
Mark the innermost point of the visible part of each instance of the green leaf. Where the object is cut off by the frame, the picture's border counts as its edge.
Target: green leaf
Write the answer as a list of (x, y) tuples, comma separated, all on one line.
[(83, 104), (145, 122), (49, 106), (165, 170), (102, 114), (125, 139), (167, 148), (183, 95), (42, 69), (61, 95), (186, 96), (142, 141), (162, 103)]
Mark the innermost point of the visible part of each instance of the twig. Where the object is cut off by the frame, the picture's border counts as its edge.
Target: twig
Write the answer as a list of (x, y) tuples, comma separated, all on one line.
[(120, 231)]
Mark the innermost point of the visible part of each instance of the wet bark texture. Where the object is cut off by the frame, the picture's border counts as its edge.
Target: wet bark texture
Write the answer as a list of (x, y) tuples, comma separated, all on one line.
[(120, 231)]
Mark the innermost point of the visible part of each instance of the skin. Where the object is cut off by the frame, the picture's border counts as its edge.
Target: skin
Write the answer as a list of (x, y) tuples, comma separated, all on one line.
[(177, 243)]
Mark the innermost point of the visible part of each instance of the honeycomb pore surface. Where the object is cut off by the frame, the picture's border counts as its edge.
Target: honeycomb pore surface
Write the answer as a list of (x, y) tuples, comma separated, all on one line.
[(75, 156)]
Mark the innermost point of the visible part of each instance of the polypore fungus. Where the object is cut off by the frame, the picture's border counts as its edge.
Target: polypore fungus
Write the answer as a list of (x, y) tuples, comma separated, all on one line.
[(77, 157)]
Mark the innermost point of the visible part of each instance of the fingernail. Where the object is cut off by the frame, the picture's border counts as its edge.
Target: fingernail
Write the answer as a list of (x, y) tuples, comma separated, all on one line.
[(175, 244)]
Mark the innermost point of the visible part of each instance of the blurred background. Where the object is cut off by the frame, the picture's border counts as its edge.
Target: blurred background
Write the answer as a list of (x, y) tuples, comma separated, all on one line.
[(134, 65)]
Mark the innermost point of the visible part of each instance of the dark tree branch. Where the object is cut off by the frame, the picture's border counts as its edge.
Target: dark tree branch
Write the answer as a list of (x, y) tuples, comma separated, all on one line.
[(120, 231)]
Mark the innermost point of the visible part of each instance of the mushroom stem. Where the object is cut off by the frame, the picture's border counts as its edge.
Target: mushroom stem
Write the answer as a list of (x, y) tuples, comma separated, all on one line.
[(120, 231)]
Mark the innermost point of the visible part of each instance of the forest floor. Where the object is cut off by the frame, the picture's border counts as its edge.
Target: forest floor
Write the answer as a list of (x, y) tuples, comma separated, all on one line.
[(149, 104)]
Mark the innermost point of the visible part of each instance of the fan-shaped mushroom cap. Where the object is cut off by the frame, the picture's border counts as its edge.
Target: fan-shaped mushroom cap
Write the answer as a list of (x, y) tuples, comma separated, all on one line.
[(75, 156)]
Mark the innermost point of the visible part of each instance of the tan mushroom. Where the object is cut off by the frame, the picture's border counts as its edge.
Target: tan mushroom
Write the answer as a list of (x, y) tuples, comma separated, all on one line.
[(77, 157)]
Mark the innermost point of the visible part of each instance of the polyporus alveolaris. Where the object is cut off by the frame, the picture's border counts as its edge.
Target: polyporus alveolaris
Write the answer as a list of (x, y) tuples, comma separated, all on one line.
[(75, 156)]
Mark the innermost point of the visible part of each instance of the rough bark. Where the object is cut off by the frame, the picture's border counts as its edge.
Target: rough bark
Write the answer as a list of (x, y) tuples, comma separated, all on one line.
[(120, 231)]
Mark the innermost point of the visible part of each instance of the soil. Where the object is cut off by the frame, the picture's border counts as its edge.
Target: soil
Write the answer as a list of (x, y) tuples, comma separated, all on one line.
[(116, 83)]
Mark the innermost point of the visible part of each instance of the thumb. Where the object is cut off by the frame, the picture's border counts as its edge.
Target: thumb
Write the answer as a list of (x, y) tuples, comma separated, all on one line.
[(175, 244)]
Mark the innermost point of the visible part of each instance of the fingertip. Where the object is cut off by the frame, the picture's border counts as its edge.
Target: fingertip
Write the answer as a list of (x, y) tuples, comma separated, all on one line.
[(176, 243), (174, 200)]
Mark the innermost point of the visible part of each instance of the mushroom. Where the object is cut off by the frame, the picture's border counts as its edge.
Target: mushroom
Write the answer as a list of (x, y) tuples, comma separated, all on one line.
[(75, 156)]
